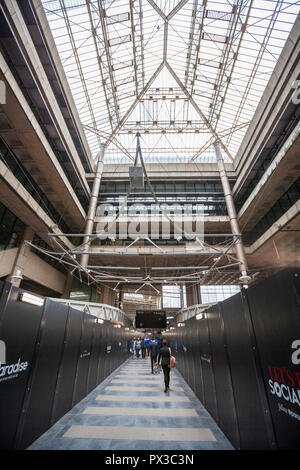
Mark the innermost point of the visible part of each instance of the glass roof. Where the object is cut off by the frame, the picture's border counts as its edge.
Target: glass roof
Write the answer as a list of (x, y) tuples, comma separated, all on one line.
[(182, 73)]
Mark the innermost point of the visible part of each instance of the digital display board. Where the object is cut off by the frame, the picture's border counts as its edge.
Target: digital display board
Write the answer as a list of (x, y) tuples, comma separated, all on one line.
[(150, 319)]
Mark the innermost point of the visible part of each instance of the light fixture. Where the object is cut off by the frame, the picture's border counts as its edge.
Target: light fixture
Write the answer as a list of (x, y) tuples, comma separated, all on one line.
[(199, 316), (100, 320), (180, 324), (17, 276), (32, 299), (244, 279)]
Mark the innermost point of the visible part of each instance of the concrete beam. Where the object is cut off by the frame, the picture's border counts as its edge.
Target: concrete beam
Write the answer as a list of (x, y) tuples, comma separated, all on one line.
[(17, 199), (31, 56), (165, 171), (24, 135), (277, 94)]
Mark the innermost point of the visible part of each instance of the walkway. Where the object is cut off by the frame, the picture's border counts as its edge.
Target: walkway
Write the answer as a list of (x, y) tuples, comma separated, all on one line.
[(130, 411)]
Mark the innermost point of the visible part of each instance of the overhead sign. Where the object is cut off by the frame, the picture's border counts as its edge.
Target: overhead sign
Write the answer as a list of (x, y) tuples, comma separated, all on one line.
[(153, 312)]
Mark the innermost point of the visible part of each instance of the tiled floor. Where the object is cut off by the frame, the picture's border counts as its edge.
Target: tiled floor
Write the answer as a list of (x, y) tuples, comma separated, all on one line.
[(130, 410)]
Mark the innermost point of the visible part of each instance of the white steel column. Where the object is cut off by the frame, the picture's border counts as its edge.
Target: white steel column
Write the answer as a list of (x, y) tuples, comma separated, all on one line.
[(240, 251), (89, 226)]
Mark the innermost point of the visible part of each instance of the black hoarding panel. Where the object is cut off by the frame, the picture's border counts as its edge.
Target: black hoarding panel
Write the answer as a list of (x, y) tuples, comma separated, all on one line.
[(114, 348), (94, 360), (275, 310), (80, 389), (250, 413), (19, 325), (67, 371), (102, 354), (210, 400), (188, 353), (181, 354), (39, 398), (108, 339), (227, 418), (121, 355), (192, 372), (196, 350)]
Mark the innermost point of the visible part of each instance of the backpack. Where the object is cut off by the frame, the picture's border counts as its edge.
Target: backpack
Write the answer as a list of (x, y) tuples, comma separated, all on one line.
[(172, 360)]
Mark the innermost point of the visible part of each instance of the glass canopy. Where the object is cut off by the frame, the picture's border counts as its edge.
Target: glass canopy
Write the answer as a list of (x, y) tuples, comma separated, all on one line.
[(183, 73)]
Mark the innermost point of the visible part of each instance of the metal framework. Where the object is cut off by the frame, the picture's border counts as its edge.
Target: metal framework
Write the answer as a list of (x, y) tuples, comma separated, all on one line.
[(185, 74), (102, 311), (168, 69)]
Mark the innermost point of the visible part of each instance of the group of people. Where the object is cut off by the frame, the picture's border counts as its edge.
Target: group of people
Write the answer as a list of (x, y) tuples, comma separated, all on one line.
[(157, 350), (140, 347)]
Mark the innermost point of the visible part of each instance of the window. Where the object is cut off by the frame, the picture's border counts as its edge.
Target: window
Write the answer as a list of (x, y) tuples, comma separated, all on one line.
[(211, 294), (174, 296)]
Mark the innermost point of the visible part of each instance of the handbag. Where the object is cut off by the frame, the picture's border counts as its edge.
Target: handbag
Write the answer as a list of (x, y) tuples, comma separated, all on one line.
[(157, 369), (172, 360)]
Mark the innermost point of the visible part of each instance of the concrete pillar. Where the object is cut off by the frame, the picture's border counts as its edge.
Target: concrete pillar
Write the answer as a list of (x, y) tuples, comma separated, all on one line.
[(89, 226), (21, 258), (68, 286), (109, 296), (235, 230), (189, 296), (193, 295), (181, 297)]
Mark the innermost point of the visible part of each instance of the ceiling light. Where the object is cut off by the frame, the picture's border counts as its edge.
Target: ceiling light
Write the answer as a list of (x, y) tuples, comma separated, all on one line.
[(18, 275), (199, 316), (32, 299)]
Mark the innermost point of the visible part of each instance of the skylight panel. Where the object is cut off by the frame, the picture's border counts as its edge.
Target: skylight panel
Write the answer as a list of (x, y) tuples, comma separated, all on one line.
[(119, 18)]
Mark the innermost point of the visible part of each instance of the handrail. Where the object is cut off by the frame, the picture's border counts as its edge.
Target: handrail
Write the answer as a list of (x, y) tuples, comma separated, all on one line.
[(102, 311)]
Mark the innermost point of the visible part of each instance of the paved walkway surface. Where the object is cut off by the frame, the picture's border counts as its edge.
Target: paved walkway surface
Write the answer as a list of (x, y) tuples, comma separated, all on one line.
[(130, 411)]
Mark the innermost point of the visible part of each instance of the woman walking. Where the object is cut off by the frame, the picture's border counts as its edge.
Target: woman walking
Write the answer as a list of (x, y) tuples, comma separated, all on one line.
[(138, 346), (164, 356)]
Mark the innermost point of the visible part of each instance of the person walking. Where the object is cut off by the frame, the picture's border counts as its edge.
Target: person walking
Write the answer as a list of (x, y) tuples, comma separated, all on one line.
[(138, 347), (147, 341), (143, 346), (164, 355), (153, 348), (132, 347)]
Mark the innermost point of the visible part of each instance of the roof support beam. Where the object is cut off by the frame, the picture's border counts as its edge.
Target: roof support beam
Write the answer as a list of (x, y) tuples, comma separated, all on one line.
[(114, 141), (157, 9), (99, 63), (132, 107), (108, 57), (192, 101)]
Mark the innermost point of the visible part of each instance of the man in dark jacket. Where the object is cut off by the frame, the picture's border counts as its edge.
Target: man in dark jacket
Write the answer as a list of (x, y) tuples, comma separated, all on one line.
[(153, 352), (143, 346)]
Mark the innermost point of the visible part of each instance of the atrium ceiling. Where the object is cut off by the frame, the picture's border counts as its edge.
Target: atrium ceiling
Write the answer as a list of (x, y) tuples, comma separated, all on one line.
[(182, 73)]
